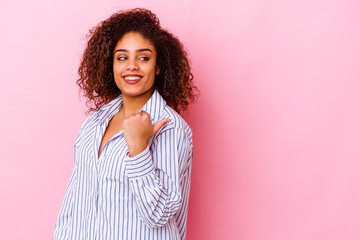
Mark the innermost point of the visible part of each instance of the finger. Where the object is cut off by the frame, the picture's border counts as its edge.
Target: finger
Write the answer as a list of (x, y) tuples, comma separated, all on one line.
[(145, 114), (159, 124)]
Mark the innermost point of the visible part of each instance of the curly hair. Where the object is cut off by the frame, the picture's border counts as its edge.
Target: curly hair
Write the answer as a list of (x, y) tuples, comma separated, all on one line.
[(175, 81)]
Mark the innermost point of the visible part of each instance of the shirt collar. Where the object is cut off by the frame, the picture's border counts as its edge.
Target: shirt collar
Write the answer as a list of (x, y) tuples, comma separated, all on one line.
[(153, 106)]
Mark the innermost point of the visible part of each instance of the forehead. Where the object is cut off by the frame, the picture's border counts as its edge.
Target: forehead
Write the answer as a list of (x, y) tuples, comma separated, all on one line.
[(133, 41)]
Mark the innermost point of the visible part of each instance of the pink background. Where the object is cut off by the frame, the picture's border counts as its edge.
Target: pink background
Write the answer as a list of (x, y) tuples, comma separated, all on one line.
[(276, 129)]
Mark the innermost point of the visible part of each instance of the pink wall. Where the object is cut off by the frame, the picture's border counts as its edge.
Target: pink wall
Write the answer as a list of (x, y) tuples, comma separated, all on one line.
[(276, 130)]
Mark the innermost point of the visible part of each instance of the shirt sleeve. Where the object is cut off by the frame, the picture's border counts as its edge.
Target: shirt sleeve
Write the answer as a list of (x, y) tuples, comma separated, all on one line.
[(156, 176), (65, 217), (64, 220)]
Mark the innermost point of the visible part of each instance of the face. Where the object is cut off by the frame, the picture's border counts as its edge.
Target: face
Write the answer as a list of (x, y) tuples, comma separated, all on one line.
[(135, 65)]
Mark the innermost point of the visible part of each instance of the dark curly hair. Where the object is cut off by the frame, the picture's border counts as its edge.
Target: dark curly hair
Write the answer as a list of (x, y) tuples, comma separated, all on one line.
[(175, 81)]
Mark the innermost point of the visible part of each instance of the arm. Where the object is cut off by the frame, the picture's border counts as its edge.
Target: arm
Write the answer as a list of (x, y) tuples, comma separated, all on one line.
[(181, 214), (64, 220), (157, 177)]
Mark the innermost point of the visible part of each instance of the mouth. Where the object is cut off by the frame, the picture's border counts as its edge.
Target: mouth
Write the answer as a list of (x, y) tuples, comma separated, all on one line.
[(132, 79)]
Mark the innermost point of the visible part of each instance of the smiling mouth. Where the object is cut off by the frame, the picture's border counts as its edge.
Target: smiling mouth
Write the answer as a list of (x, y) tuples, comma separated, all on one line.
[(132, 79)]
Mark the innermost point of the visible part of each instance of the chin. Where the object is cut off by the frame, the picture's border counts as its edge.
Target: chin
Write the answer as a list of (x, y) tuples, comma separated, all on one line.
[(135, 92)]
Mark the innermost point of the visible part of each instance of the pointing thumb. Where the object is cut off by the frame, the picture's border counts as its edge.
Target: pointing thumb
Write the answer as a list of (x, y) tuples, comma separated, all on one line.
[(159, 124)]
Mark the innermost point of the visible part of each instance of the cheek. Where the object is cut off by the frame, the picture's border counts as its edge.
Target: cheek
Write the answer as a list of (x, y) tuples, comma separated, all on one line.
[(150, 69), (117, 72), (114, 70)]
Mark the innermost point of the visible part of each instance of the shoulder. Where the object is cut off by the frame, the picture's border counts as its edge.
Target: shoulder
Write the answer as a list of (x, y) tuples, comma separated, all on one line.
[(87, 125), (177, 122), (98, 115), (90, 119)]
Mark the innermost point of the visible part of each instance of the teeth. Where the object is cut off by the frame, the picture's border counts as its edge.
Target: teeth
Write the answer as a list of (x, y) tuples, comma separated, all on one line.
[(132, 78)]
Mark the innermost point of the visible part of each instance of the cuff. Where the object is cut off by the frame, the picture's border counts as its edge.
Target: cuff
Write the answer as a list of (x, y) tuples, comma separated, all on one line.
[(139, 165)]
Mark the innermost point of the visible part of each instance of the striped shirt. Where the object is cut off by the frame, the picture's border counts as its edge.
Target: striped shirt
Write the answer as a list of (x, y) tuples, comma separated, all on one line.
[(115, 196)]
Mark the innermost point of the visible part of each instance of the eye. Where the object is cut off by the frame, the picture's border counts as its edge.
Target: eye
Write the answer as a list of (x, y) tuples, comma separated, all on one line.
[(144, 58), (121, 58)]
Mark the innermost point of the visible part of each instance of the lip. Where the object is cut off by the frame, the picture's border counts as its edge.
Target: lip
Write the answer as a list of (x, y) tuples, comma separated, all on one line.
[(132, 82)]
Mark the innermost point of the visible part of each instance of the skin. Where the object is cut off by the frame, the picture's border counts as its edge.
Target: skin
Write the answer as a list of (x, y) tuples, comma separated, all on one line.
[(134, 55)]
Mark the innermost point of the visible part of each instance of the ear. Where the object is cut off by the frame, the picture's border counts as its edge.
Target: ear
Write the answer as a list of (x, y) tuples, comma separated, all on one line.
[(157, 70)]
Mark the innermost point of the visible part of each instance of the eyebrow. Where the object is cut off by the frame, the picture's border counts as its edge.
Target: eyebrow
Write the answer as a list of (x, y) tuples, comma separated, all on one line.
[(138, 50)]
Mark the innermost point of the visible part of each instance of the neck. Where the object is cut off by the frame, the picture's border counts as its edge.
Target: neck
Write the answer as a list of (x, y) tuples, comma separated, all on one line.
[(132, 104)]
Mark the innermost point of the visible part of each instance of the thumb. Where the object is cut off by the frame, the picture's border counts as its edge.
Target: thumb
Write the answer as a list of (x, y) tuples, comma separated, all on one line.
[(159, 124)]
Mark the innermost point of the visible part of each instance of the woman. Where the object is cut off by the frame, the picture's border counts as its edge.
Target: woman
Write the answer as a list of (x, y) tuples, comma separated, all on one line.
[(133, 155)]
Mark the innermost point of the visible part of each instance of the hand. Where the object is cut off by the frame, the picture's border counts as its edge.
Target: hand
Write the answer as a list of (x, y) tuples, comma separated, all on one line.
[(138, 129)]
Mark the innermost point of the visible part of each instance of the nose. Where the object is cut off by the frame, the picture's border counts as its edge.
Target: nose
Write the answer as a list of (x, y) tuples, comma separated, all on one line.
[(132, 65)]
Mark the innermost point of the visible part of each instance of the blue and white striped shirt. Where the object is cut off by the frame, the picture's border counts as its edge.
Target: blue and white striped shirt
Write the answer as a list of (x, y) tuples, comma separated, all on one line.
[(128, 198)]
